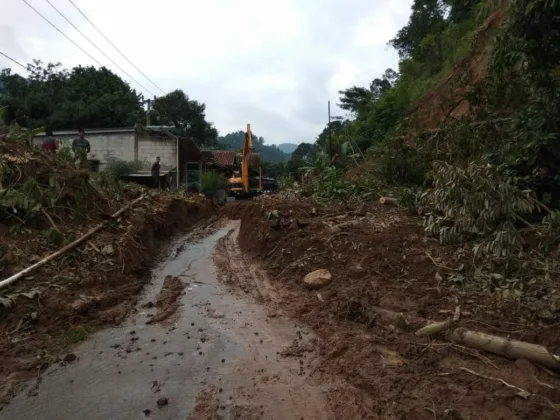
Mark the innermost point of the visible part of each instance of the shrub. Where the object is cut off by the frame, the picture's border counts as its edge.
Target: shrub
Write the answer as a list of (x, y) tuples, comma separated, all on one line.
[(117, 167), (212, 182)]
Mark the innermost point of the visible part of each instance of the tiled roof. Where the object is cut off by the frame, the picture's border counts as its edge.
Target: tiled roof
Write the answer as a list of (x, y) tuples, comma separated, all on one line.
[(223, 157)]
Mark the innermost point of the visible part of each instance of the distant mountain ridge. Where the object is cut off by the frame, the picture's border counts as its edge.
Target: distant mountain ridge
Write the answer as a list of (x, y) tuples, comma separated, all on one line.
[(269, 153), (288, 147)]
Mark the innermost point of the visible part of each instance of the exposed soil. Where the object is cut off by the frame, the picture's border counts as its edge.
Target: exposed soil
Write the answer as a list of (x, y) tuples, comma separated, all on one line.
[(379, 258), (447, 99)]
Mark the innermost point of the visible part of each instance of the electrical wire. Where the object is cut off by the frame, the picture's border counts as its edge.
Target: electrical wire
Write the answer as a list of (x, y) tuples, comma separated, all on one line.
[(63, 34), (114, 46), (11, 59), (98, 49)]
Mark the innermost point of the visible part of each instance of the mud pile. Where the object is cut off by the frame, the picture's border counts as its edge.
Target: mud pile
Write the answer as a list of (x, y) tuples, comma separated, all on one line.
[(46, 203), (385, 286)]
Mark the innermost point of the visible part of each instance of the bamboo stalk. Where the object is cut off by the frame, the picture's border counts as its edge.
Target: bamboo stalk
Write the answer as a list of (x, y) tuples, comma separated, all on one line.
[(91, 232), (511, 349), (388, 200)]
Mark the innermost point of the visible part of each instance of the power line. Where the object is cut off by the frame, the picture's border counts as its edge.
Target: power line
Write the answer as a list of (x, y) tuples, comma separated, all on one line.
[(98, 49), (63, 34), (10, 58), (113, 45)]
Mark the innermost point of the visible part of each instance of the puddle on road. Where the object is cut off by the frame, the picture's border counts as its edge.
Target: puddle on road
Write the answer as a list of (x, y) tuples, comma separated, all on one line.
[(216, 339)]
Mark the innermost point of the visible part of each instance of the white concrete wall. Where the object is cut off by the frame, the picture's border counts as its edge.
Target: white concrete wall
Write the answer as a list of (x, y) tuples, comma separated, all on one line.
[(118, 145), (121, 146), (151, 147)]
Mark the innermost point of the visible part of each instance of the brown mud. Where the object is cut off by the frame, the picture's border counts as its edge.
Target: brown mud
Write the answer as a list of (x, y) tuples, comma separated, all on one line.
[(378, 257)]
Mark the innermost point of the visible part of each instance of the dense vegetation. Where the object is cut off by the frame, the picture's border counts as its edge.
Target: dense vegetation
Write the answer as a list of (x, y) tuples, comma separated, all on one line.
[(519, 95)]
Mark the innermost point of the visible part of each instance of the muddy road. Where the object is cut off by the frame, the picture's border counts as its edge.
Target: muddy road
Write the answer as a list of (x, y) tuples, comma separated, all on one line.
[(194, 349)]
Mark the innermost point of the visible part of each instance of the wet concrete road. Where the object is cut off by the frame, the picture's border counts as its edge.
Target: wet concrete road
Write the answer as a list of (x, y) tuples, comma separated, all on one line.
[(216, 339)]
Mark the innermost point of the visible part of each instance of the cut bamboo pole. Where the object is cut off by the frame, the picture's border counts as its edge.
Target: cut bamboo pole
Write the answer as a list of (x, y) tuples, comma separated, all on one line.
[(91, 232), (388, 200), (511, 349)]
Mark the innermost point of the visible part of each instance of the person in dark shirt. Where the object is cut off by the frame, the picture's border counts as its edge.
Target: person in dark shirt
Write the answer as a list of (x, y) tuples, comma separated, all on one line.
[(50, 143), (81, 147), (155, 172)]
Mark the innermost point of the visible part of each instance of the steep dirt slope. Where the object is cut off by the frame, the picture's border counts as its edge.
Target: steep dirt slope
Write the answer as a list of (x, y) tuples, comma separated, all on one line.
[(447, 98)]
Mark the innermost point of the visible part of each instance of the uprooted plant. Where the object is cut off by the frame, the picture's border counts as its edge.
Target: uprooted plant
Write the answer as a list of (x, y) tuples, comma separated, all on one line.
[(511, 237), (34, 184)]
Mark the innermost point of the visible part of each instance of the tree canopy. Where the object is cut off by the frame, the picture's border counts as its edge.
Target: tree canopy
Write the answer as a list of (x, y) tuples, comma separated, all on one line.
[(188, 116), (89, 97), (56, 98)]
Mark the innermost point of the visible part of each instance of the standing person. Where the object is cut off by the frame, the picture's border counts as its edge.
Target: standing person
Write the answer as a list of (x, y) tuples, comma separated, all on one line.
[(50, 143), (81, 147), (155, 172)]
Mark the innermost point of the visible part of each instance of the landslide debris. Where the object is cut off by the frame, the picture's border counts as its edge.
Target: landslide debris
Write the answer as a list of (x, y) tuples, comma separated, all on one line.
[(389, 285), (46, 203)]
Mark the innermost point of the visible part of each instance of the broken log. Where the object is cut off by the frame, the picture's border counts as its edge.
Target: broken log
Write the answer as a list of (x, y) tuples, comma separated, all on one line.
[(388, 200), (91, 232)]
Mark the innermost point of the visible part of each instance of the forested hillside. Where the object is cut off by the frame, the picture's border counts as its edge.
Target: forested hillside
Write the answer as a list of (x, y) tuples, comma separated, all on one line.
[(484, 73)]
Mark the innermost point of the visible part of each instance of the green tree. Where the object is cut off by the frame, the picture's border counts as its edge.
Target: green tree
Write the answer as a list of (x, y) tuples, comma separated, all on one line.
[(58, 98), (305, 151), (358, 99), (186, 115)]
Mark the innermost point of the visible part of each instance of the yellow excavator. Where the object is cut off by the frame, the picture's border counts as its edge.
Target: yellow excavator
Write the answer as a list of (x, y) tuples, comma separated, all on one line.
[(241, 186)]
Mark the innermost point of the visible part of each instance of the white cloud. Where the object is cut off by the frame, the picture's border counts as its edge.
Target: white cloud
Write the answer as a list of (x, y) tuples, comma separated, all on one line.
[(274, 64)]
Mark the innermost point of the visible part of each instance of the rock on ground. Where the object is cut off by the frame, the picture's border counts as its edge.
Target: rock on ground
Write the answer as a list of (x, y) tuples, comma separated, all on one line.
[(317, 279)]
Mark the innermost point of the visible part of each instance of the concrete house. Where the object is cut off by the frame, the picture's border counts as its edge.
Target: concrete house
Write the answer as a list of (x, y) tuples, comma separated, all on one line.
[(137, 143)]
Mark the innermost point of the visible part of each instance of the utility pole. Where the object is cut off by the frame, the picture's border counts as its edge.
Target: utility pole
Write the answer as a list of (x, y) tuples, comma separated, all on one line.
[(149, 102), (330, 132)]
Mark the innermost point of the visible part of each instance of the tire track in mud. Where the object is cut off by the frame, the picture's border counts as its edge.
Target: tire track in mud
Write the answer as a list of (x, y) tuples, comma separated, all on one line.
[(236, 269)]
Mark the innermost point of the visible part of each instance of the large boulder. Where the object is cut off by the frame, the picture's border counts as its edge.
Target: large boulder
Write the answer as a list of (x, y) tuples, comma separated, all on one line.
[(317, 279)]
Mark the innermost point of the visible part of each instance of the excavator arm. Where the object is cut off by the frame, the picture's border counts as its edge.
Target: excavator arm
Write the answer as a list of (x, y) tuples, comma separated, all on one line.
[(247, 147)]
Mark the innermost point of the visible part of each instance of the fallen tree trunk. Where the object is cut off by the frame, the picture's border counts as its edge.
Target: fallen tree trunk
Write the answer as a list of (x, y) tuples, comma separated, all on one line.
[(91, 232), (388, 200)]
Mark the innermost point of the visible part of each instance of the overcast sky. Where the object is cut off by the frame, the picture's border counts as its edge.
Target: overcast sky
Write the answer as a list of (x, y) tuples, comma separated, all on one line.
[(274, 64)]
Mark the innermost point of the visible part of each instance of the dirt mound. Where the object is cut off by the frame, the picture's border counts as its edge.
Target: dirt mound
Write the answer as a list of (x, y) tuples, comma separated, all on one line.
[(447, 98), (379, 258)]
